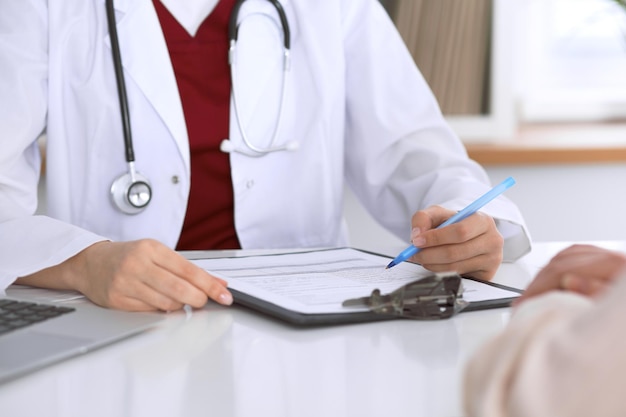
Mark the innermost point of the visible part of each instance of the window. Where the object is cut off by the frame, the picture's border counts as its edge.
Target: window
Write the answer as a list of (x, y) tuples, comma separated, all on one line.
[(551, 61), (572, 60)]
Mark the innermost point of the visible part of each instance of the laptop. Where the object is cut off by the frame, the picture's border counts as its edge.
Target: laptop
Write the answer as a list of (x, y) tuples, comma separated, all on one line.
[(34, 334)]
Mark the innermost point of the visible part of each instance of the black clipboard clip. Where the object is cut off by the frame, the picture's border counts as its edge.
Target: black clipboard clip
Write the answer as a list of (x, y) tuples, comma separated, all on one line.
[(434, 297)]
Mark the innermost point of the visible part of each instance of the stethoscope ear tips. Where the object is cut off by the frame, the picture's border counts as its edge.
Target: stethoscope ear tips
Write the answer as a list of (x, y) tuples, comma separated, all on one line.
[(226, 146), (292, 145)]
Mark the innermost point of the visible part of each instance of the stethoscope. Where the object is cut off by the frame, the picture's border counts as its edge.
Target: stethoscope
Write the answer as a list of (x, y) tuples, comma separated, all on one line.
[(131, 192), (233, 29)]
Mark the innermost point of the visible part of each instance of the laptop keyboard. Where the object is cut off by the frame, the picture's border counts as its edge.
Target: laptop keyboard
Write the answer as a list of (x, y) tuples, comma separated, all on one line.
[(18, 314)]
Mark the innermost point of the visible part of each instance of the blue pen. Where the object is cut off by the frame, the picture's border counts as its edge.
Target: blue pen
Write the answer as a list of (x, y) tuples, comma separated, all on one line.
[(466, 212)]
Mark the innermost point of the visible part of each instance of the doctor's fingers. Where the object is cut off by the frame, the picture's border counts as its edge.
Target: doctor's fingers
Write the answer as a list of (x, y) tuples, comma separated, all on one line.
[(479, 257), (122, 268), (430, 217), (482, 266), (137, 296), (168, 292), (477, 226), (153, 288), (186, 279)]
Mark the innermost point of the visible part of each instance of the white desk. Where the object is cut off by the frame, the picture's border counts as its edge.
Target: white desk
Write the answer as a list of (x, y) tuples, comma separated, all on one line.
[(232, 362)]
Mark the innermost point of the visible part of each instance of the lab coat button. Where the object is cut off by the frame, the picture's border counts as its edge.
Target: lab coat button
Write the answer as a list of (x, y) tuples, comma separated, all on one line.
[(175, 179), (250, 184)]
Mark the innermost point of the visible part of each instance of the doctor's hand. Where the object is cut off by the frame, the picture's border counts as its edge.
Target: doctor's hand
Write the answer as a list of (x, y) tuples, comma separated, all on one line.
[(585, 269), (471, 247), (139, 276)]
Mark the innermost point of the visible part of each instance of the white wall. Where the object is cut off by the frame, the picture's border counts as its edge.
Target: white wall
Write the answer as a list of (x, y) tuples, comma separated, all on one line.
[(570, 202), (559, 203)]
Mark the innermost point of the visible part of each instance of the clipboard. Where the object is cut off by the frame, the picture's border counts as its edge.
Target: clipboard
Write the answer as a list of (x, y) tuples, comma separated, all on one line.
[(323, 319), (262, 304)]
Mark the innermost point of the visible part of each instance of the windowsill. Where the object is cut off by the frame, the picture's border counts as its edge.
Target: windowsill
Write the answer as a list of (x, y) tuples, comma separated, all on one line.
[(556, 144)]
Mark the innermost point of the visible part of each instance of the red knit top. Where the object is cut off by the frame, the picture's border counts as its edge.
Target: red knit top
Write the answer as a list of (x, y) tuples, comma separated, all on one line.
[(203, 77)]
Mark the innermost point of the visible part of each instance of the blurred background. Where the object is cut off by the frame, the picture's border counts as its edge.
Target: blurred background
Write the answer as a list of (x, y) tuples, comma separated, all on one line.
[(536, 89)]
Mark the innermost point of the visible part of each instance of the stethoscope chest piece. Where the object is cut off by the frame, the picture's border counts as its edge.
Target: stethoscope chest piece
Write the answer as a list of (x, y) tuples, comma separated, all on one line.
[(131, 192)]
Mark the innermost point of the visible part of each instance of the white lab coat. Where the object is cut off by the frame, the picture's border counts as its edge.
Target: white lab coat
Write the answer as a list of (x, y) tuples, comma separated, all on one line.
[(355, 102)]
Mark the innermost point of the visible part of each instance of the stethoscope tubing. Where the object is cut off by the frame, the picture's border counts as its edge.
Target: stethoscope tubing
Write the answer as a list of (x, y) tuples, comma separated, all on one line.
[(233, 32), (121, 83), (233, 28), (271, 148)]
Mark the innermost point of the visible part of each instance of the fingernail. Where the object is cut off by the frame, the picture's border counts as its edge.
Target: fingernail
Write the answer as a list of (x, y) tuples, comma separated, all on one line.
[(419, 241), (226, 298), (415, 233)]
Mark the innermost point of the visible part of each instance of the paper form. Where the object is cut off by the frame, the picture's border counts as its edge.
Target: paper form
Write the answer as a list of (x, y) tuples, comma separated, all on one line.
[(319, 281)]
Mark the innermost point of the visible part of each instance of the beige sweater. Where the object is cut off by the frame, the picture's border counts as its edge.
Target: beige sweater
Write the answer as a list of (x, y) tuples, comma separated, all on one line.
[(561, 355)]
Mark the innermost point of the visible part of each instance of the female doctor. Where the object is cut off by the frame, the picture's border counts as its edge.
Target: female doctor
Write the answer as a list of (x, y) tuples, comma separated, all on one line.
[(253, 154)]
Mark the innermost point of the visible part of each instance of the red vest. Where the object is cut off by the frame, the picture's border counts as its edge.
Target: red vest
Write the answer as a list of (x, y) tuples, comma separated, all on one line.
[(203, 77)]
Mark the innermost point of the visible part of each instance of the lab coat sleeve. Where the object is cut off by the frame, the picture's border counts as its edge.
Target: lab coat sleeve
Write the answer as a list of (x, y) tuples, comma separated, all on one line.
[(27, 243), (23, 104), (55, 242), (401, 156), (561, 355)]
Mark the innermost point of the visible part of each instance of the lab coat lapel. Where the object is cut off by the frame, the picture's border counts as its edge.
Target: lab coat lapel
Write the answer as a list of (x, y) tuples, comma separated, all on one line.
[(146, 59)]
